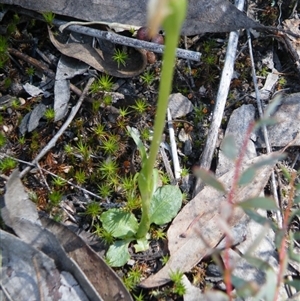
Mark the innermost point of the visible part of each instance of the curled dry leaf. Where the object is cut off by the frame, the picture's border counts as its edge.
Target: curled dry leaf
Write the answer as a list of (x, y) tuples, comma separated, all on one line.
[(69, 252), (202, 16), (101, 58), (196, 230)]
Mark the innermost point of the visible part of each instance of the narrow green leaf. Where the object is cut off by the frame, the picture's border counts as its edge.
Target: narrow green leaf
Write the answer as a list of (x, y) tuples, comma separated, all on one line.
[(264, 122), (118, 253), (244, 288), (229, 147), (294, 283), (165, 204), (294, 256), (260, 219), (268, 289), (273, 105), (293, 213), (208, 178), (247, 176), (270, 160), (135, 136), (259, 202), (119, 223)]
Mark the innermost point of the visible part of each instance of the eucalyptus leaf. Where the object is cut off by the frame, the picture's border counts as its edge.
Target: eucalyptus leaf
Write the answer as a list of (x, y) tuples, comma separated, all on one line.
[(247, 176), (264, 122), (260, 219), (273, 104), (294, 283), (293, 213), (244, 288), (229, 147), (269, 160), (267, 291), (119, 223), (118, 254), (165, 204), (259, 202), (208, 178)]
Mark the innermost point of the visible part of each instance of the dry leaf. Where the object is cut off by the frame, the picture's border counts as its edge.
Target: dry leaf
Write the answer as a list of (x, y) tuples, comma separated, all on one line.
[(101, 59), (69, 252), (203, 15), (196, 230)]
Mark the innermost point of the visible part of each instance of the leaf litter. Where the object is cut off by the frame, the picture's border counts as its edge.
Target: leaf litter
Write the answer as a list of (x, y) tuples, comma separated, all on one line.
[(175, 235)]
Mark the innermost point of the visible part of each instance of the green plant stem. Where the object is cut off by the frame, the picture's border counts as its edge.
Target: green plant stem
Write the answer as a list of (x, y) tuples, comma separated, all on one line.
[(146, 179)]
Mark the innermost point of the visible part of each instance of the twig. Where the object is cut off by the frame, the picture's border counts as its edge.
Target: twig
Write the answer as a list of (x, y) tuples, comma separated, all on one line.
[(40, 66), (167, 165), (264, 128), (176, 166), (53, 175), (53, 141), (226, 76), (131, 42), (116, 38)]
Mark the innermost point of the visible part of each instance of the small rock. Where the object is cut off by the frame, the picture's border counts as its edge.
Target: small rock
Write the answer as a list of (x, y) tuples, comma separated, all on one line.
[(179, 105), (287, 116)]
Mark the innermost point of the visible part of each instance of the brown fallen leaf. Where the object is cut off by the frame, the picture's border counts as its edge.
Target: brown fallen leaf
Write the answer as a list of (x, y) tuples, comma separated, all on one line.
[(202, 16), (101, 59), (196, 230), (69, 252)]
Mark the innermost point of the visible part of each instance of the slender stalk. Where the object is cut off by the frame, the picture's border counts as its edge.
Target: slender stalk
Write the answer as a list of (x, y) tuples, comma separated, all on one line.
[(172, 25)]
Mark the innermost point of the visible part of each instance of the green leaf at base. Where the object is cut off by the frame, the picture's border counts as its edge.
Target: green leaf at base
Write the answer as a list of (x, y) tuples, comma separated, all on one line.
[(165, 204), (118, 254), (119, 223)]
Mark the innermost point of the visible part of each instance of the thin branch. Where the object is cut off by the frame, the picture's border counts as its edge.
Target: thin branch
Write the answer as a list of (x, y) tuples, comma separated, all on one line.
[(53, 141), (264, 129), (226, 76)]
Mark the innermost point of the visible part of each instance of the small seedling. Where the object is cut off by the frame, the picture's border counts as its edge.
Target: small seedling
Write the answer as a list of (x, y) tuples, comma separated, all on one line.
[(104, 190), (58, 181), (178, 286), (120, 56), (133, 278), (106, 236), (68, 149), (139, 297), (145, 134), (49, 114), (184, 172), (49, 17), (7, 164), (100, 131), (108, 168), (123, 112), (84, 150), (107, 100), (140, 106), (2, 139), (15, 104), (104, 83), (80, 177), (147, 78), (30, 71), (55, 197), (165, 259), (3, 45), (111, 145), (93, 210), (96, 106), (22, 140)]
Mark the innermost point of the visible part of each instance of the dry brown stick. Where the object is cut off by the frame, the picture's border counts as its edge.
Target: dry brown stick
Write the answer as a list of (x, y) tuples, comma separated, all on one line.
[(41, 67), (53, 141)]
